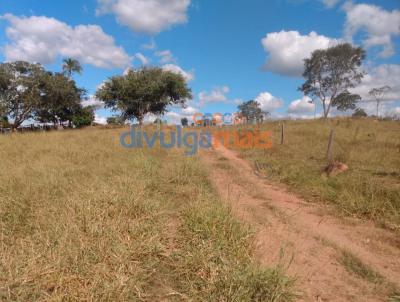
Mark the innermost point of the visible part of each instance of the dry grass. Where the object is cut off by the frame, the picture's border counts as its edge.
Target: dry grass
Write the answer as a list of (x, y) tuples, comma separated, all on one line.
[(355, 266), (82, 219), (371, 149)]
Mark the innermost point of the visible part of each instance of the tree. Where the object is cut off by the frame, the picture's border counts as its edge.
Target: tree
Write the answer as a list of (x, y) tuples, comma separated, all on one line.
[(83, 116), (70, 66), (330, 73), (251, 110), (60, 99), (378, 94), (19, 90), (359, 112), (184, 122), (4, 122), (139, 92)]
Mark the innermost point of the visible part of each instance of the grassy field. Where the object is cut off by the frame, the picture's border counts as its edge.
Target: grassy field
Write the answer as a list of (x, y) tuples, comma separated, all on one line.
[(83, 219), (369, 189)]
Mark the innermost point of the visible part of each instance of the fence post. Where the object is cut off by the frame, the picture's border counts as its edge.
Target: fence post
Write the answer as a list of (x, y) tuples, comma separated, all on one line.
[(329, 153), (282, 133)]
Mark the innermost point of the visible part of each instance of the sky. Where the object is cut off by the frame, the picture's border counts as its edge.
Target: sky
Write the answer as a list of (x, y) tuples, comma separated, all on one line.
[(228, 51)]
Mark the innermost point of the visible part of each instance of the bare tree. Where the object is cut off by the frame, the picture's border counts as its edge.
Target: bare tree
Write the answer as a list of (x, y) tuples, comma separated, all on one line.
[(378, 94)]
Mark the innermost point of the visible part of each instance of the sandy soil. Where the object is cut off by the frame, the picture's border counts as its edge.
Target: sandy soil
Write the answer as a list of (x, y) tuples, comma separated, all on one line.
[(305, 237)]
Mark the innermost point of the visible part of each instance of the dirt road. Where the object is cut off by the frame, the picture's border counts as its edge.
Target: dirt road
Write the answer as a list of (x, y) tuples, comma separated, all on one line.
[(334, 259)]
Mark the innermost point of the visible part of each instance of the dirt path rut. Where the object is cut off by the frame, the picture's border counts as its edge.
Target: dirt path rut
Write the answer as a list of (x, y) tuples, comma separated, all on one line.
[(306, 238)]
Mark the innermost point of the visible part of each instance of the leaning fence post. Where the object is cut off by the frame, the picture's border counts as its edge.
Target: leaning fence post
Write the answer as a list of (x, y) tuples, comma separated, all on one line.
[(329, 153), (282, 133)]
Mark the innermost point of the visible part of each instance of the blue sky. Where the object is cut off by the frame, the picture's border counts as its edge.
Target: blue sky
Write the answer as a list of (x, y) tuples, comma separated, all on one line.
[(217, 43)]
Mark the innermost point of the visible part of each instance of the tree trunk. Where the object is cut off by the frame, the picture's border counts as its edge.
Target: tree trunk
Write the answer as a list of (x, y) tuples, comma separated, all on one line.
[(377, 109), (326, 110)]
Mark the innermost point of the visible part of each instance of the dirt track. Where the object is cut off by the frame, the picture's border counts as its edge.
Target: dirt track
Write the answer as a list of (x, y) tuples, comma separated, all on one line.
[(304, 236)]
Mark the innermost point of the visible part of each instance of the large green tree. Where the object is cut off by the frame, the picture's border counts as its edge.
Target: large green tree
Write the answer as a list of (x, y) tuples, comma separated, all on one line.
[(251, 110), (60, 99), (20, 90), (83, 116), (143, 91), (330, 73), (70, 66)]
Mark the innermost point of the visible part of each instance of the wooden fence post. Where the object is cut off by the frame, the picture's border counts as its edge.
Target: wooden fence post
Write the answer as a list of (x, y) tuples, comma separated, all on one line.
[(329, 153), (282, 133)]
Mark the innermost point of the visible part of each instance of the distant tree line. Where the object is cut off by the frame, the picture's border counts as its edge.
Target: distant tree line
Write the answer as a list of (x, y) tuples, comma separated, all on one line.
[(29, 92)]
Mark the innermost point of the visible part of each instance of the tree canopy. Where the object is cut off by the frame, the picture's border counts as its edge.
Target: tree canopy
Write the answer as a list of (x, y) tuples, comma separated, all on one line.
[(20, 90), (70, 66), (60, 99), (330, 73), (28, 91), (251, 110), (143, 91)]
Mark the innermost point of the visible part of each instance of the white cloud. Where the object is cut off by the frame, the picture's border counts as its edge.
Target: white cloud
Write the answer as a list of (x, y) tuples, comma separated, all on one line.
[(147, 16), (217, 95), (287, 50), (330, 3), (268, 102), (189, 110), (187, 75), (42, 39), (142, 58), (93, 101), (302, 116), (173, 117), (379, 25), (100, 119), (394, 113), (382, 75), (165, 56), (301, 106)]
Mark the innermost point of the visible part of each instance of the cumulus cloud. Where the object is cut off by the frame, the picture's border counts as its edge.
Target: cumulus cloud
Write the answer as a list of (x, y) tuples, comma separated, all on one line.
[(188, 76), (393, 113), (42, 39), (268, 102), (173, 117), (190, 110), (287, 50), (382, 75), (301, 106), (146, 16), (217, 95), (379, 25), (101, 120)]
